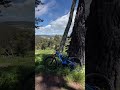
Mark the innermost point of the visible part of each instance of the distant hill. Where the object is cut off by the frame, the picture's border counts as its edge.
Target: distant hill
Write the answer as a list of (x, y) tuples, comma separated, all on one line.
[(7, 29), (17, 24), (47, 36)]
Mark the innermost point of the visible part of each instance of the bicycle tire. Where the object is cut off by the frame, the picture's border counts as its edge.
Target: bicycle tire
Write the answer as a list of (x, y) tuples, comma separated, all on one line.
[(50, 63)]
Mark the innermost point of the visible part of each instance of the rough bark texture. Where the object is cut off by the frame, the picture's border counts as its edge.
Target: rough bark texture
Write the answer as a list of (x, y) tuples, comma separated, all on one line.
[(103, 40), (62, 43), (77, 43)]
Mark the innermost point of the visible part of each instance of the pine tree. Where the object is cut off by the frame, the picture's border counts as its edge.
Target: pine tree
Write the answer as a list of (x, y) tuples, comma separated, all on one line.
[(77, 43), (102, 41)]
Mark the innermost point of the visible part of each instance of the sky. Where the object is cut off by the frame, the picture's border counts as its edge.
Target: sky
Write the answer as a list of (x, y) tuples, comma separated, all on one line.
[(21, 10), (55, 14)]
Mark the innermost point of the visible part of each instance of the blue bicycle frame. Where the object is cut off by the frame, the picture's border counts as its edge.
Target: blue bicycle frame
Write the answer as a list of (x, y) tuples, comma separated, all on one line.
[(65, 61)]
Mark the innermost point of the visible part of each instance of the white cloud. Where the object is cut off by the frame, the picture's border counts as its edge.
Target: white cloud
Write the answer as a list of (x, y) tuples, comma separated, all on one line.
[(43, 9), (56, 27)]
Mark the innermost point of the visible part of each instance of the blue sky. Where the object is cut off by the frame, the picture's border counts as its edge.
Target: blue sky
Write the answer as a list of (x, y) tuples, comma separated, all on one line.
[(21, 10), (55, 9), (55, 14)]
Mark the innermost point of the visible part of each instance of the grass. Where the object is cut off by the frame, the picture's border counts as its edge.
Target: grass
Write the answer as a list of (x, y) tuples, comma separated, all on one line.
[(13, 70), (75, 76), (15, 61), (40, 55)]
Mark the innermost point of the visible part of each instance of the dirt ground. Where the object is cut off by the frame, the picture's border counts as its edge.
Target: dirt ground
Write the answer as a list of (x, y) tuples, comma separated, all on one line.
[(43, 82)]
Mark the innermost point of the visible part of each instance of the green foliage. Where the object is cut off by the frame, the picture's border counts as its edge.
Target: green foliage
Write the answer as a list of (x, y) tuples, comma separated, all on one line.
[(48, 42), (77, 76), (17, 44), (44, 42), (1, 50), (21, 44), (7, 80)]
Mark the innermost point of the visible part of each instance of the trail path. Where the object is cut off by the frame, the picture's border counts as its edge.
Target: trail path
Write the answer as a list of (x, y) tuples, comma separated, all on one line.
[(49, 82)]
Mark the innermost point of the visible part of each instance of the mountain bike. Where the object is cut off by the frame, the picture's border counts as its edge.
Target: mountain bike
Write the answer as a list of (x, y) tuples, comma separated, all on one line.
[(96, 81), (57, 59)]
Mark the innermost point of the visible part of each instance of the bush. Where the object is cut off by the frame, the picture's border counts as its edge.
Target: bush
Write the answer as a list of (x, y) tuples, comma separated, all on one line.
[(8, 80)]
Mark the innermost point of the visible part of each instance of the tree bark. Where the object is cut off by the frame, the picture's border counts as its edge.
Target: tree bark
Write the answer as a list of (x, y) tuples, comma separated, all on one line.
[(77, 43), (64, 37), (102, 40)]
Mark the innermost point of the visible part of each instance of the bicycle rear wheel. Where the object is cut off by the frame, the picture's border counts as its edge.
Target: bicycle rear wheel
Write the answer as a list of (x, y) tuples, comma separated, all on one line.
[(50, 63)]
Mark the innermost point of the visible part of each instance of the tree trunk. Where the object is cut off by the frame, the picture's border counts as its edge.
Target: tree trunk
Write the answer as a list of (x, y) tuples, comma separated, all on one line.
[(103, 40), (63, 40), (77, 43)]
